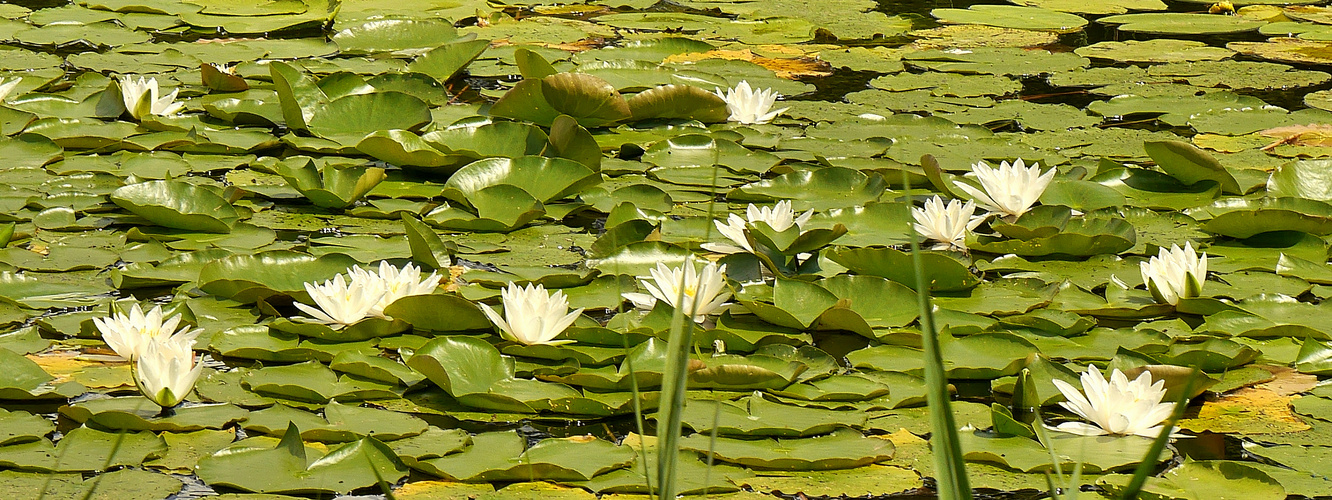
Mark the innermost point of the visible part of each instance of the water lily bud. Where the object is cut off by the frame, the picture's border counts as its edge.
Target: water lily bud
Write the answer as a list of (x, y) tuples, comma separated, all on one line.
[(779, 217), (1175, 274), (142, 100), (166, 372)]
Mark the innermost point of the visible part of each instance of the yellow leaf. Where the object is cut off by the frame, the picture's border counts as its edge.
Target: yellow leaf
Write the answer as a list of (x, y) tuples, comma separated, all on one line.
[(64, 364), (1288, 380), (972, 36), (1246, 411), (441, 490), (788, 68), (1313, 134), (575, 9)]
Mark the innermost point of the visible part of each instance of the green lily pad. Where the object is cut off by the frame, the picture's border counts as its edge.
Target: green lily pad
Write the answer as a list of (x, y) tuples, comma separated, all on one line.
[(23, 427), (1205, 479), (402, 147), (349, 118), (980, 356), (445, 61), (943, 272), (545, 179), (250, 278), (178, 205), (139, 414), (474, 372), (500, 456), (1190, 165), (821, 189), (490, 139), (1242, 218), (24, 379), (843, 449), (1154, 51), (329, 186), (678, 102), (1301, 179), (1011, 16), (290, 467), (1175, 23), (96, 450), (694, 476), (364, 329), (312, 382), (184, 449), (756, 416), (1096, 453), (375, 368), (340, 423), (393, 36), (1080, 237), (587, 98)]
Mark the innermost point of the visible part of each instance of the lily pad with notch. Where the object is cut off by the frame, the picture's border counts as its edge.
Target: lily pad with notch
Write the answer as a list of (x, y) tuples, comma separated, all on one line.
[(843, 449), (756, 416), (257, 465), (139, 414), (339, 424), (943, 272), (476, 374), (329, 186), (250, 278), (820, 189), (502, 456), (545, 179)]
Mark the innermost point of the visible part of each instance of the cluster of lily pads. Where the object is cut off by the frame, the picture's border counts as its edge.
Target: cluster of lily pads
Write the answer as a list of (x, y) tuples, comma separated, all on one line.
[(431, 246)]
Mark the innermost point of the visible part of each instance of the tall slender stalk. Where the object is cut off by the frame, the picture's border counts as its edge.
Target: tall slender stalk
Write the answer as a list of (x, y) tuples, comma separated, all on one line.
[(638, 411), (949, 465), (1148, 463), (97, 480), (675, 379), (1065, 490)]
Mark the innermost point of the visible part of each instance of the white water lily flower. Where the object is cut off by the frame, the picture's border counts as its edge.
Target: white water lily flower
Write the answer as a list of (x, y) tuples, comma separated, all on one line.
[(397, 283), (166, 372), (1010, 190), (1175, 274), (704, 290), (779, 217), (946, 224), (341, 303), (749, 106), (8, 86), (1116, 406), (222, 68), (141, 98), (128, 334), (532, 316)]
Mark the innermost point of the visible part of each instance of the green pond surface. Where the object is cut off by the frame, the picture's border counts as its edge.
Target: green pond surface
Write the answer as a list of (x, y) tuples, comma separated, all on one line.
[(578, 146)]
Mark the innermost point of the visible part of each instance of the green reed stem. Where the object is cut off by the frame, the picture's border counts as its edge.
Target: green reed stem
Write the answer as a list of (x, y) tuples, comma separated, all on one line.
[(949, 465), (1148, 464), (638, 411), (675, 379)]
